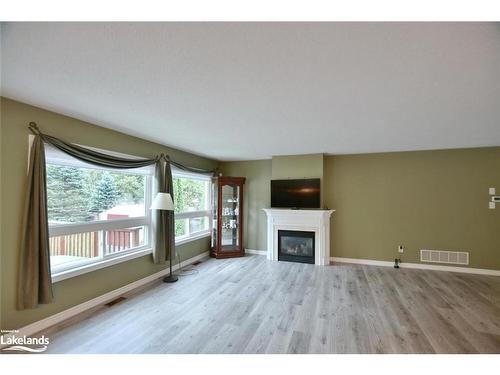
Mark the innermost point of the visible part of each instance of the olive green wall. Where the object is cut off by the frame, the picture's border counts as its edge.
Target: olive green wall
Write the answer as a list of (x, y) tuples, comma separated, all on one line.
[(256, 195), (426, 199), (15, 117), (297, 166), (422, 200)]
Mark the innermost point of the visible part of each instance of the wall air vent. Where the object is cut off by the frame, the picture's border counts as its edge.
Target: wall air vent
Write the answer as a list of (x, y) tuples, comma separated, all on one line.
[(449, 257)]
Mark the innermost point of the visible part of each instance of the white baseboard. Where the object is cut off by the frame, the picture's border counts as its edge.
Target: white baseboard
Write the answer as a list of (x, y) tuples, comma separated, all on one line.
[(52, 320), (257, 252), (422, 266), (368, 262)]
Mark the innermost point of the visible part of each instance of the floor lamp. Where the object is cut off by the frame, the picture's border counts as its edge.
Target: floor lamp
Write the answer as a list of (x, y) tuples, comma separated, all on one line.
[(163, 202)]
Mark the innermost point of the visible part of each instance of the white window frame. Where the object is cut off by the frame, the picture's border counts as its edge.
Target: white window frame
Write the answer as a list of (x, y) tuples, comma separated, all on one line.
[(72, 269), (176, 172)]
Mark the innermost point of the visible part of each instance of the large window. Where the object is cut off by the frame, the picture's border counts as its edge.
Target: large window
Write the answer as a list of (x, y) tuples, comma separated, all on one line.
[(95, 214), (100, 216), (192, 201)]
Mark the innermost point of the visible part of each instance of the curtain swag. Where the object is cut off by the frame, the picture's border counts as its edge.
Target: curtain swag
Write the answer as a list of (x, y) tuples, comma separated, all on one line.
[(35, 283)]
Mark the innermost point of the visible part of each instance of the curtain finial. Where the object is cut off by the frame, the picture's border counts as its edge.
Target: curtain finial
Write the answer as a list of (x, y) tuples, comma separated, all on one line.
[(34, 127)]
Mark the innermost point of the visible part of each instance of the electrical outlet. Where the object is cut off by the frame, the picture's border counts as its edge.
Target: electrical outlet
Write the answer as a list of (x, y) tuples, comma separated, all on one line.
[(492, 205), (492, 191), (401, 249)]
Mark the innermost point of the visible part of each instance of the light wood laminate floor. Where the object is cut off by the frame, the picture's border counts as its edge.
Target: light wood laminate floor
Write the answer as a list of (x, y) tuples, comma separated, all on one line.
[(251, 305)]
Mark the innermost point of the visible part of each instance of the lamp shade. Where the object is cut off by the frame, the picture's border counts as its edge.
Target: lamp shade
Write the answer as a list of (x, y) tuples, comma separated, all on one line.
[(163, 201)]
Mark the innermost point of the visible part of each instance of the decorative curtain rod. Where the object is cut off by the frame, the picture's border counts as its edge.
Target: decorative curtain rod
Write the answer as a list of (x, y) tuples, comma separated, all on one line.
[(33, 127)]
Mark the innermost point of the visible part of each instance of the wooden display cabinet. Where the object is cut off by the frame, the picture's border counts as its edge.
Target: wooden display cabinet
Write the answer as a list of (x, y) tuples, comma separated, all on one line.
[(227, 219)]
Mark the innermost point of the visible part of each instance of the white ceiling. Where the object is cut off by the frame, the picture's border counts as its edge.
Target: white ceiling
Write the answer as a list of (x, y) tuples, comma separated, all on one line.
[(235, 91)]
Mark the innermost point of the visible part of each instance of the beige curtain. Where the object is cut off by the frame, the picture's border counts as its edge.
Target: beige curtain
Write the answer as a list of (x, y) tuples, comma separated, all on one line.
[(164, 240), (35, 285), (34, 279)]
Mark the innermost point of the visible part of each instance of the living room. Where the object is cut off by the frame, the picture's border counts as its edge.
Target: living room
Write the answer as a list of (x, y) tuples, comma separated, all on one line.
[(250, 188)]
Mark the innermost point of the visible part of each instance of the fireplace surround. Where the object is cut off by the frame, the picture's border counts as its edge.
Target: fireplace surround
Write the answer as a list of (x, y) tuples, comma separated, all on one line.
[(316, 221)]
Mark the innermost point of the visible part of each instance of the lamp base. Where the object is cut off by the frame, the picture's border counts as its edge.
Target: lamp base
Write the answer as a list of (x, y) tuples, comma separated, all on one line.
[(170, 279)]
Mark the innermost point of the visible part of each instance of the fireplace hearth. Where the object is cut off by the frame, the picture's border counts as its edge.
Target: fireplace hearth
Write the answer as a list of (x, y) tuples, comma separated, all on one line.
[(296, 246)]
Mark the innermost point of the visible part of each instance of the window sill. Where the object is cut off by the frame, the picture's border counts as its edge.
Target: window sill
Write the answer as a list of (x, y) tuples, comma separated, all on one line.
[(67, 274)]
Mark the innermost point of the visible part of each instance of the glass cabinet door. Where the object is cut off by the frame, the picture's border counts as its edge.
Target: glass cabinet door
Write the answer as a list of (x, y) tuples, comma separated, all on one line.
[(230, 224), (214, 212)]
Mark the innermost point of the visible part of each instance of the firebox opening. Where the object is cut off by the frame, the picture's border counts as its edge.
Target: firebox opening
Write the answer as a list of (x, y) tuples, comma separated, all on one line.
[(296, 246)]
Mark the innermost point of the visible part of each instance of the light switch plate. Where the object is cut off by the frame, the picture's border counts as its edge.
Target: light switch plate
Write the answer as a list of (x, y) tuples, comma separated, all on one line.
[(492, 191), (492, 205)]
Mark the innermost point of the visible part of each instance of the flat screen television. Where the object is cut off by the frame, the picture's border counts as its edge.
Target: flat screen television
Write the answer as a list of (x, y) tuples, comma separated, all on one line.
[(303, 193)]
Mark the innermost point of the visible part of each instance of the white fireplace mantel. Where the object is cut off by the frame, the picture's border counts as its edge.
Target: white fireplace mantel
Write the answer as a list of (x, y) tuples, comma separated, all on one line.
[(317, 221)]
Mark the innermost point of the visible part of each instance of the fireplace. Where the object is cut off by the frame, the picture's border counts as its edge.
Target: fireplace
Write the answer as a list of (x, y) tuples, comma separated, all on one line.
[(314, 221), (296, 246)]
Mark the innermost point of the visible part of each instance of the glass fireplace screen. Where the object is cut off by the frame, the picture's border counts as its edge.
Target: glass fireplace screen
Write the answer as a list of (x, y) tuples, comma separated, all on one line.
[(296, 246)]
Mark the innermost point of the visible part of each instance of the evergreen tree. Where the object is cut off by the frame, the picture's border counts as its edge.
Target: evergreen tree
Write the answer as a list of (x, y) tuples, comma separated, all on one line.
[(66, 194), (105, 194), (130, 187)]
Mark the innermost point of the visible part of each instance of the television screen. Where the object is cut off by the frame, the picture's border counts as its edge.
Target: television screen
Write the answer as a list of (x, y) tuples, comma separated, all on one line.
[(304, 193)]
